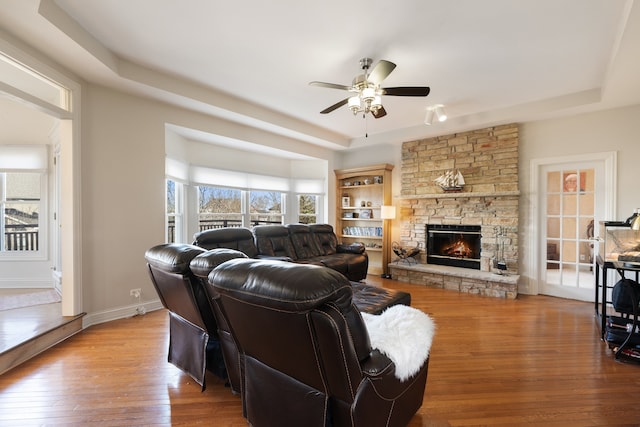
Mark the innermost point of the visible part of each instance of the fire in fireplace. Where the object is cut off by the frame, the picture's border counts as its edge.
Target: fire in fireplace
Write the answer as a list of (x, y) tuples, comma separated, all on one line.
[(454, 245)]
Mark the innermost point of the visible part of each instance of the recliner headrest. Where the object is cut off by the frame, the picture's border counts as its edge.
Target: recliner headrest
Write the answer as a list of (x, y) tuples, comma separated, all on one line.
[(202, 265), (281, 285), (218, 236), (172, 257)]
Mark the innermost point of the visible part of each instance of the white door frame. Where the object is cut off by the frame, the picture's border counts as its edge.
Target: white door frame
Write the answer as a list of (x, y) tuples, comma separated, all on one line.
[(609, 160), (70, 179)]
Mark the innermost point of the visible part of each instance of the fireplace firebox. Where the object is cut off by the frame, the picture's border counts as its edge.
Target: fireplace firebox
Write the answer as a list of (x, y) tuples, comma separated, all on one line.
[(454, 245)]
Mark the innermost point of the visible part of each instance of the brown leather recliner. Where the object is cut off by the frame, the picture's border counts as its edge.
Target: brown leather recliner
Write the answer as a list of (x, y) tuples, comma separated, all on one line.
[(201, 266), (193, 337), (305, 351)]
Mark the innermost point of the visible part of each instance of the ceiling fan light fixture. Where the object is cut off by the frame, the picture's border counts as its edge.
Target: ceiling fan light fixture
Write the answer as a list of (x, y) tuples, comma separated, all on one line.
[(442, 115), (368, 94), (354, 104), (377, 102)]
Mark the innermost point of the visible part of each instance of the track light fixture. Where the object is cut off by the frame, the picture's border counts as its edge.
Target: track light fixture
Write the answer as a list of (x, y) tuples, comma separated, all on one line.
[(428, 119), (437, 111)]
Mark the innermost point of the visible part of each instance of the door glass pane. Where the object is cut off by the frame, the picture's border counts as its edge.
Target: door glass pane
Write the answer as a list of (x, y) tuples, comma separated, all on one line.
[(553, 228), (553, 204), (570, 217), (554, 182), (569, 204)]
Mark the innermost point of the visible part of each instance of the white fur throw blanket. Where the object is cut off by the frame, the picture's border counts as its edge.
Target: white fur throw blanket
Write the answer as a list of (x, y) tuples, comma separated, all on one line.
[(404, 335)]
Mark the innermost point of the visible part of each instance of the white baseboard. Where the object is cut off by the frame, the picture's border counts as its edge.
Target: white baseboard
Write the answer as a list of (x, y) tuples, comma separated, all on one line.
[(20, 283), (118, 313)]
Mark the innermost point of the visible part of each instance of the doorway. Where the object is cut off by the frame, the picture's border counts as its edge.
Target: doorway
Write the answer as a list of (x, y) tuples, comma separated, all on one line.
[(574, 194), (33, 86)]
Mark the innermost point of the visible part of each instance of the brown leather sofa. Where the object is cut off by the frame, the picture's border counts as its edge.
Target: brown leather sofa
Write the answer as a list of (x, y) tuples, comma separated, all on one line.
[(304, 351), (199, 338), (308, 244)]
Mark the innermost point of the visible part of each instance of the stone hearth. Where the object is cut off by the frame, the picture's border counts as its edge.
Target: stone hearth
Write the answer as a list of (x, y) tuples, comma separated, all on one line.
[(488, 160)]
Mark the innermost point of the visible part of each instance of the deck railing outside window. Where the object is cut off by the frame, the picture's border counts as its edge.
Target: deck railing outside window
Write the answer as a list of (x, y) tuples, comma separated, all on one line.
[(217, 223), (20, 238)]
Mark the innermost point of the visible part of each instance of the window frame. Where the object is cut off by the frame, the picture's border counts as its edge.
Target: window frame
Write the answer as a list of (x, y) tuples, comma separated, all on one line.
[(43, 220), (317, 210)]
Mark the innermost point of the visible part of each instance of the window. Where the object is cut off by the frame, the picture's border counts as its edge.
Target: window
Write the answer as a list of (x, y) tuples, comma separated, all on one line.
[(307, 208), (219, 207), (266, 207), (174, 212), (21, 208), (227, 198)]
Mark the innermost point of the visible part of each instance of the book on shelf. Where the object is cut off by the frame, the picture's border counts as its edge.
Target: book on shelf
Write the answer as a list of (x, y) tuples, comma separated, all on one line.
[(362, 231)]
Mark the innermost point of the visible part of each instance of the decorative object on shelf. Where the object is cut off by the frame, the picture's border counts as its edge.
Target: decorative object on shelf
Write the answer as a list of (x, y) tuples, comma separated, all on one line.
[(347, 184), (367, 181), (407, 255), (347, 215), (346, 201), (365, 214), (377, 179), (450, 181)]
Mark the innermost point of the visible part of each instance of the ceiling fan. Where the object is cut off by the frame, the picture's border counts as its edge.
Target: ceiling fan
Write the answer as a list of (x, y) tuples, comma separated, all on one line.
[(367, 92)]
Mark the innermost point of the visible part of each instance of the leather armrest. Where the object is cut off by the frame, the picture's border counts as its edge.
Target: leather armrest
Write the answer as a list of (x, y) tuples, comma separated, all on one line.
[(353, 248), (380, 371), (377, 365)]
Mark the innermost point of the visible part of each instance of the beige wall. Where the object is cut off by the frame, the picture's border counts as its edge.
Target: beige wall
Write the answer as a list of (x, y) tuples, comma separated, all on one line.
[(123, 154)]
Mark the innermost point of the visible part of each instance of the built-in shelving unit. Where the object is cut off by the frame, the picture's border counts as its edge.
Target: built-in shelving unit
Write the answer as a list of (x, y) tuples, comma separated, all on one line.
[(361, 193)]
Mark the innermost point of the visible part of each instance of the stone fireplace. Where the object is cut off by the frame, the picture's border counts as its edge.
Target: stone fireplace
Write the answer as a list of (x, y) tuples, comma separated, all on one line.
[(488, 160)]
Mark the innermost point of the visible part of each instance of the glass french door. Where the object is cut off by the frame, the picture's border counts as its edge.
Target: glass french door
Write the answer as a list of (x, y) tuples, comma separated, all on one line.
[(571, 206)]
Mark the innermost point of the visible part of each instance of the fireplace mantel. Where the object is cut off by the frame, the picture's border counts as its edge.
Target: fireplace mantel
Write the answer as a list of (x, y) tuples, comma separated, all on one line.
[(460, 195)]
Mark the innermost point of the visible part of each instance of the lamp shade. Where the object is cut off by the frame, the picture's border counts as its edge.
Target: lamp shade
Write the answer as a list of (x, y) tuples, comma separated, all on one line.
[(387, 212)]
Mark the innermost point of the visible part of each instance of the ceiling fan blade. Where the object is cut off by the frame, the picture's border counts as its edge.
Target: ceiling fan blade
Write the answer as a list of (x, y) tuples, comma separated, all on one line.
[(380, 112), (335, 106), (407, 91), (330, 85), (381, 71)]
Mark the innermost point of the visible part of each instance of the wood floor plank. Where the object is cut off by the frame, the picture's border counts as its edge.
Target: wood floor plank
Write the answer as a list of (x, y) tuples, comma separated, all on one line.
[(534, 361)]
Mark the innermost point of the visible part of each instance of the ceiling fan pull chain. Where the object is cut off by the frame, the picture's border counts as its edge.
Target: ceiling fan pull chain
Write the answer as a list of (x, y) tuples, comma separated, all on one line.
[(366, 125)]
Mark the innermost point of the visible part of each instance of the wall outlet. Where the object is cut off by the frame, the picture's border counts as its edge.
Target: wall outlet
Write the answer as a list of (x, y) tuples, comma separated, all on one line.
[(136, 293)]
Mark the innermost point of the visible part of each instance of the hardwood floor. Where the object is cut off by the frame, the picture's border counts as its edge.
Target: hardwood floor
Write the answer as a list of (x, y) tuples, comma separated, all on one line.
[(530, 361)]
